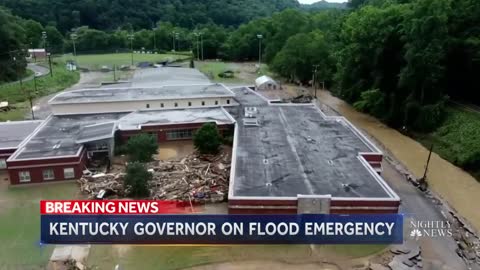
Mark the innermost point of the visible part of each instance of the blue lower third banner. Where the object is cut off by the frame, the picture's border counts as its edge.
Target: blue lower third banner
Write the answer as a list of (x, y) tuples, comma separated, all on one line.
[(222, 229)]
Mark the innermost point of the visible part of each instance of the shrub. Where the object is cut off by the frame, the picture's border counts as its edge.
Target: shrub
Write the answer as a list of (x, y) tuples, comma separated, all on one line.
[(141, 147), (136, 180), (207, 140)]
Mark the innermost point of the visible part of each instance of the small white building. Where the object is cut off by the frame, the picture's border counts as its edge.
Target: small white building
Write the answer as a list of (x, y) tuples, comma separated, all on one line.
[(266, 83), (36, 53)]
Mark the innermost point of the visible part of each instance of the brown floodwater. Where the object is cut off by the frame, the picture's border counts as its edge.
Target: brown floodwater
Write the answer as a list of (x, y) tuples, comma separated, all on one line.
[(453, 184)]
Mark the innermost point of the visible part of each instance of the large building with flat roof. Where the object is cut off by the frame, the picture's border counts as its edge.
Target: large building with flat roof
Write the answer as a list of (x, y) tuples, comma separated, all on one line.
[(11, 136), (108, 100), (291, 158), (61, 146), (286, 158)]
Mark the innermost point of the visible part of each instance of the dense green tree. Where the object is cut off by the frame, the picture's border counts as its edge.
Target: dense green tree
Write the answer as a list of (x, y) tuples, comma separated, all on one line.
[(33, 33), (142, 147), (283, 25), (142, 14), (207, 140), (300, 53), (372, 57), (12, 47), (54, 40), (137, 179)]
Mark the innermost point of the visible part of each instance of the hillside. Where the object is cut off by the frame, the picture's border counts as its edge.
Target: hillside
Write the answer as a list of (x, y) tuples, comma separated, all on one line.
[(112, 14), (324, 5)]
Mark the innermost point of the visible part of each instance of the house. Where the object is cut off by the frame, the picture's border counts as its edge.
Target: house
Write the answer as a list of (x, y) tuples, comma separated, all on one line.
[(37, 53), (266, 83)]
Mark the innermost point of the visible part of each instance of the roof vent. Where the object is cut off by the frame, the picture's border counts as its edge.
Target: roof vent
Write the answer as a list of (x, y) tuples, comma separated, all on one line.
[(250, 122), (251, 112)]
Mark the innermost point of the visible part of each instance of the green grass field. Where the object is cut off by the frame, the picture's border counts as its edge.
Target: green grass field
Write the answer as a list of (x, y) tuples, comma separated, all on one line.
[(20, 226), (457, 139), (243, 72), (96, 61), (18, 97)]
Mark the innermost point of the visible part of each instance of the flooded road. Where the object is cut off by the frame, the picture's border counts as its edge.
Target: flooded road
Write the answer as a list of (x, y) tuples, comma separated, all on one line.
[(453, 184)]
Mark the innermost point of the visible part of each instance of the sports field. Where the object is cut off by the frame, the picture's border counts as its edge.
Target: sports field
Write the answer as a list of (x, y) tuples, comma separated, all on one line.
[(96, 61)]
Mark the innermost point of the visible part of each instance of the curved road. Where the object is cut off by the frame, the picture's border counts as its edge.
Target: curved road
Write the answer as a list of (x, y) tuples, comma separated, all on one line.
[(38, 71)]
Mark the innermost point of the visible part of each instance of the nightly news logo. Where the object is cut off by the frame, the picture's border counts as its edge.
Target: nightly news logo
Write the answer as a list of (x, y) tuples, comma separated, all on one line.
[(429, 228)]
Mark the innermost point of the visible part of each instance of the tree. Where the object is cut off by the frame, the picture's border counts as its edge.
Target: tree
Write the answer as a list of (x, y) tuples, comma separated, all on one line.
[(207, 140), (54, 40), (12, 40), (141, 147), (136, 180), (33, 32), (301, 51)]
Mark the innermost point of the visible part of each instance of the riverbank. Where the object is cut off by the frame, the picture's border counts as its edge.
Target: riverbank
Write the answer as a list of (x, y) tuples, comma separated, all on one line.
[(454, 185), (457, 139)]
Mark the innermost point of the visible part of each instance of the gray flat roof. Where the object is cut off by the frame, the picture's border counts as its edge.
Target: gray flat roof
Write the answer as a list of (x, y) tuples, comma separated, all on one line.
[(168, 76), (58, 135), (13, 133), (295, 150), (136, 120), (61, 136), (136, 93), (96, 132)]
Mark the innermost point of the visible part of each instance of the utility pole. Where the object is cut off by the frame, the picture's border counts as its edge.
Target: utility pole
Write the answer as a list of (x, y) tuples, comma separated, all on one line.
[(423, 184), (201, 43), (173, 40), (314, 77), (198, 44), (16, 72), (114, 73), (74, 37), (130, 37), (177, 39), (30, 95), (50, 63), (154, 39), (44, 37), (259, 36)]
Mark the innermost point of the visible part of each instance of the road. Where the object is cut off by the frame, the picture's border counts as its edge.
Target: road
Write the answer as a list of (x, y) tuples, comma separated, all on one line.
[(438, 253), (87, 80), (38, 70)]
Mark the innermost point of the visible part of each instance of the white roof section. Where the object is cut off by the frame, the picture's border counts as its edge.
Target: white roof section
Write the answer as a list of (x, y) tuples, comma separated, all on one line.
[(264, 79), (14, 132), (136, 120), (168, 76), (36, 50), (166, 92)]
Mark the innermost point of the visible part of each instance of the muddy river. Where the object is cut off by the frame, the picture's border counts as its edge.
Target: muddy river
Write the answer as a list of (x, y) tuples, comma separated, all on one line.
[(453, 184)]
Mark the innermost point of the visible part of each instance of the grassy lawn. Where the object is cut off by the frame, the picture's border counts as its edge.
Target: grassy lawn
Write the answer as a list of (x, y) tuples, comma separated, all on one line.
[(458, 139), (243, 72), (20, 226), (213, 69), (96, 61), (18, 97)]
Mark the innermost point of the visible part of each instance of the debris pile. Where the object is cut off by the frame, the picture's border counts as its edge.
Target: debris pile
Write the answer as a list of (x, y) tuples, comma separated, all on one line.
[(193, 179), (299, 99)]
